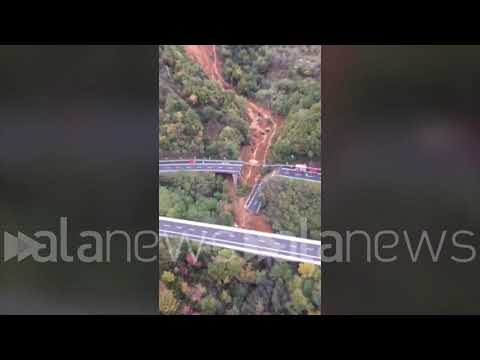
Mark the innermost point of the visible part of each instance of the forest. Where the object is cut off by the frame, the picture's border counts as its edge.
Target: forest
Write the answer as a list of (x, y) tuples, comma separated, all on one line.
[(224, 282), (287, 80), (216, 281), (196, 197), (196, 116), (200, 119), (291, 204)]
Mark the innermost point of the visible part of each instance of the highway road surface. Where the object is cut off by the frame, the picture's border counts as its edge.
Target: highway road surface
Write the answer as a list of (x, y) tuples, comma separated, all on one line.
[(230, 167), (299, 175), (234, 167), (249, 241), (217, 166)]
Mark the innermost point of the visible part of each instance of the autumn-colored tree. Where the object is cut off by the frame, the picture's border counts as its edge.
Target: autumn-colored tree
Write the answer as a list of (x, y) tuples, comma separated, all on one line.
[(225, 266), (168, 302), (168, 277), (307, 270)]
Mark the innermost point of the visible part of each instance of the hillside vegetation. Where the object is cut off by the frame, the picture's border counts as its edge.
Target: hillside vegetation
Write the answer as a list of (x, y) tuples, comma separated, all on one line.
[(197, 118), (287, 80), (293, 207), (223, 282), (196, 197)]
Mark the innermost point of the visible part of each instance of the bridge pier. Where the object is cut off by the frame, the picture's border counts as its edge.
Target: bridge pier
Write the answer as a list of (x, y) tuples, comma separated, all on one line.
[(235, 179)]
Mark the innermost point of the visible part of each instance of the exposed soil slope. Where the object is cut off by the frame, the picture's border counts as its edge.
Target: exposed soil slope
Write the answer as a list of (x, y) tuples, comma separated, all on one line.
[(263, 129)]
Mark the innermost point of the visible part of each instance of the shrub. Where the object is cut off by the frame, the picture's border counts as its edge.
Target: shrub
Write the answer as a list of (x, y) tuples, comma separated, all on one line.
[(168, 302), (168, 277), (307, 270)]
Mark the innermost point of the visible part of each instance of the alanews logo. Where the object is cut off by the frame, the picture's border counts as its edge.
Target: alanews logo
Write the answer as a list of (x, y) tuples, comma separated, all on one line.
[(45, 246)]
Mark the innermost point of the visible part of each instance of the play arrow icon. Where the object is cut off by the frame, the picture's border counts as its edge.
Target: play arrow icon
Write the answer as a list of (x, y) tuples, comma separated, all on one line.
[(20, 246), (10, 246)]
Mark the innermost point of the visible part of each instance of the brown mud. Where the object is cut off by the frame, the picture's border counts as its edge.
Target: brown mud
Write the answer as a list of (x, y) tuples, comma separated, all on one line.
[(264, 127)]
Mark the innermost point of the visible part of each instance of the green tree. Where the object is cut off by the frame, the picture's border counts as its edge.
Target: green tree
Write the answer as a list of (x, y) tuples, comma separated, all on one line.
[(209, 305)]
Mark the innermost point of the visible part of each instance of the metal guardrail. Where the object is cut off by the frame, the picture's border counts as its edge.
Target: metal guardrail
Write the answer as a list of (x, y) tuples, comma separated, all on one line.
[(251, 195), (202, 161), (216, 161)]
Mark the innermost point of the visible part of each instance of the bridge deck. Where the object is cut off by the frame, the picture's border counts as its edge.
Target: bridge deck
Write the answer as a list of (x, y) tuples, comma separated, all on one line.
[(225, 168), (254, 242)]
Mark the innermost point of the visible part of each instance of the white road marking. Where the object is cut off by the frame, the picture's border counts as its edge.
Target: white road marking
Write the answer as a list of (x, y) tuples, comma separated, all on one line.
[(240, 230), (193, 237), (296, 178)]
